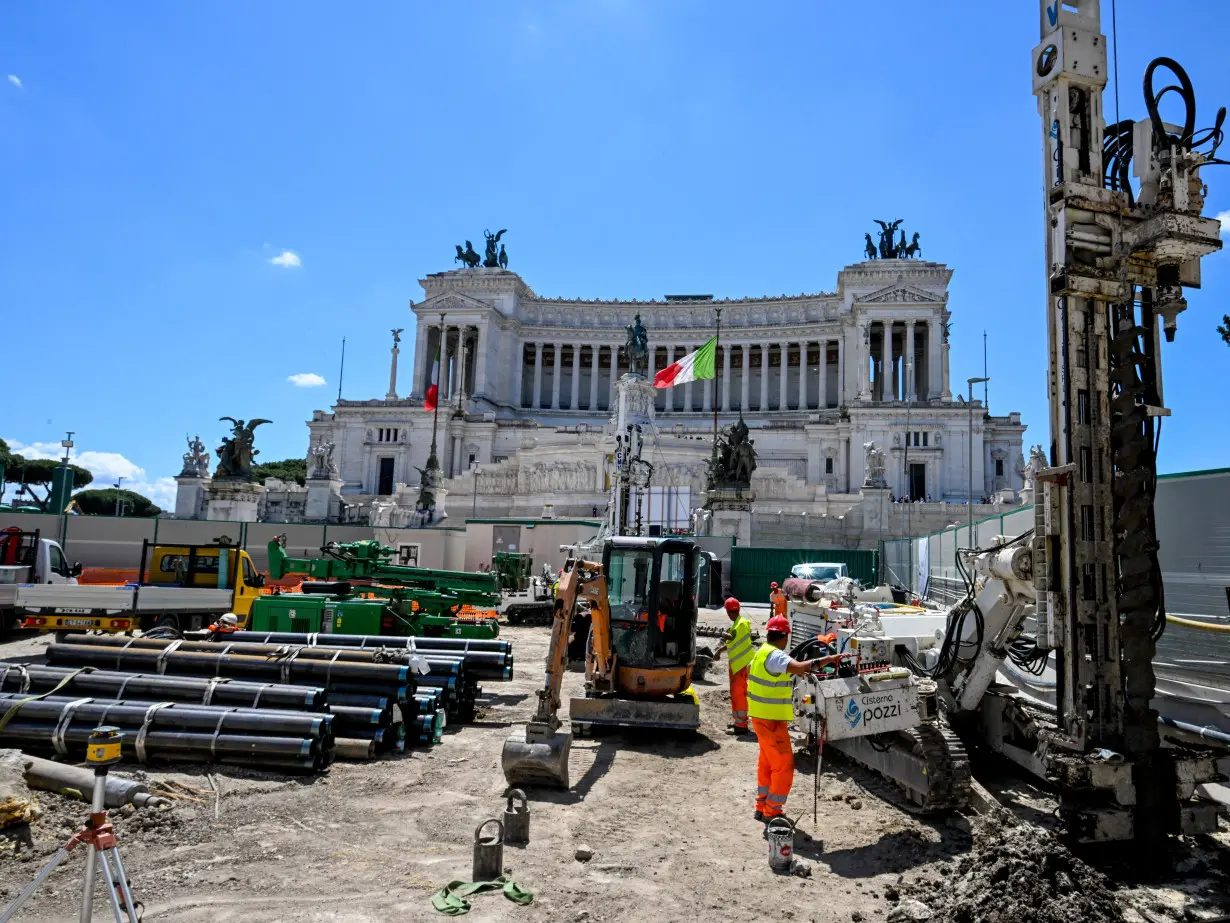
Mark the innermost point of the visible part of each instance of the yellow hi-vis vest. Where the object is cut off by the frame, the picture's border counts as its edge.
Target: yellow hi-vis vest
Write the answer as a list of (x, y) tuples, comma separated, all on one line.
[(769, 695), (739, 648)]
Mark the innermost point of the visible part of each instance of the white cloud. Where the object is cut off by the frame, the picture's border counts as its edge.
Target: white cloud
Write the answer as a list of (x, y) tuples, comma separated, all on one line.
[(15, 80), (305, 380), (1224, 218), (287, 259), (106, 468)]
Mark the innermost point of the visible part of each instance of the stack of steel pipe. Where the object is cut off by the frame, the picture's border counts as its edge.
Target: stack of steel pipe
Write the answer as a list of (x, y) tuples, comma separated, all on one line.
[(154, 687), (387, 680), (172, 731), (490, 659), (425, 729)]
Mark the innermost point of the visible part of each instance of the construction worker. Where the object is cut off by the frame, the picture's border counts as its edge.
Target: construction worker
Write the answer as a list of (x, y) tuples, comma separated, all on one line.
[(738, 647), (777, 600), (226, 625), (771, 705)]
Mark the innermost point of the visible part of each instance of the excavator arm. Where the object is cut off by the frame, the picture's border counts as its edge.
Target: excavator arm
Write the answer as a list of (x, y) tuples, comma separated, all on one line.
[(539, 754)]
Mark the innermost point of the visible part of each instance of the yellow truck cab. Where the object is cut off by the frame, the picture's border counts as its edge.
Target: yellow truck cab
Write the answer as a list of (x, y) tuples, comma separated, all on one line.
[(185, 587), (220, 567)]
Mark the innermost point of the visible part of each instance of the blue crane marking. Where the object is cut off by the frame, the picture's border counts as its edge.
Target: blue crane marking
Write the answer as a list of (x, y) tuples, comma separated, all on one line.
[(853, 713), (1052, 12)]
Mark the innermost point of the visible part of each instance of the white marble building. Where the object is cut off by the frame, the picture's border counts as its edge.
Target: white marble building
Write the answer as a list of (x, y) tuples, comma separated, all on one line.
[(527, 385)]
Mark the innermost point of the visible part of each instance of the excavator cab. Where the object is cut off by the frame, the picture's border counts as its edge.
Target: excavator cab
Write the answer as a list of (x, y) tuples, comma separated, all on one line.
[(651, 596)]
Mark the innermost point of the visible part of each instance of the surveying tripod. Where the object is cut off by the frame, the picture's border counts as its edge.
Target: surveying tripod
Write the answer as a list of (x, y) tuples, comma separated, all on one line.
[(98, 835)]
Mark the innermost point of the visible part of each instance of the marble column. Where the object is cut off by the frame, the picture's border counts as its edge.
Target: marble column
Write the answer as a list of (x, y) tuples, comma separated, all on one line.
[(822, 399), (462, 349), (725, 378), (593, 378), (558, 349), (614, 376), (574, 397), (908, 365), (518, 380), (537, 402), (479, 361), (745, 376), (934, 341), (651, 365), (803, 350), (841, 372), (862, 358), (706, 389), (782, 397), (886, 363), (764, 376)]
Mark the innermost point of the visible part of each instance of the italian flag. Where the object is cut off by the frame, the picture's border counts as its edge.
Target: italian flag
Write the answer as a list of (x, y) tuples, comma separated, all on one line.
[(690, 368), (433, 389)]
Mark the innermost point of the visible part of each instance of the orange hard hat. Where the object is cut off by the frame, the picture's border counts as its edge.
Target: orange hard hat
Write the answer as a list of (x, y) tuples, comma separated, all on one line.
[(732, 604), (779, 623)]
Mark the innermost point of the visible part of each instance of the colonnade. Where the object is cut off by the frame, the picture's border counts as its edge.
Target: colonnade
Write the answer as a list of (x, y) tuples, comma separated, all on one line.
[(564, 376)]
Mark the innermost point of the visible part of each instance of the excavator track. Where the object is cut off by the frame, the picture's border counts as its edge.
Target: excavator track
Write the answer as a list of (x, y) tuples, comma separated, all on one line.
[(927, 763)]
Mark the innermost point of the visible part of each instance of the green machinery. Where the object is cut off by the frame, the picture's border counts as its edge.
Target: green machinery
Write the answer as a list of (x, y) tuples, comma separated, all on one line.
[(513, 570), (355, 589)]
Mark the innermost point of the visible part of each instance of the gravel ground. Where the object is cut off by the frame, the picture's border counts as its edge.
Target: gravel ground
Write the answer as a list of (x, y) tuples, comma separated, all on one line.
[(669, 824)]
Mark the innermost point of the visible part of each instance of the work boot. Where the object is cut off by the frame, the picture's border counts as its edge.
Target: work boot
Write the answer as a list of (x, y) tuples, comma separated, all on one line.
[(759, 815)]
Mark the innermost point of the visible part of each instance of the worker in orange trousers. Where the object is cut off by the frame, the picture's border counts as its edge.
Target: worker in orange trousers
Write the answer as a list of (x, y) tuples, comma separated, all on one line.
[(777, 600), (738, 647), (770, 702)]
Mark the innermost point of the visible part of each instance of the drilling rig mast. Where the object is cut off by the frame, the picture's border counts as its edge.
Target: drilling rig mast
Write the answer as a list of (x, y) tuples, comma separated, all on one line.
[(1124, 236)]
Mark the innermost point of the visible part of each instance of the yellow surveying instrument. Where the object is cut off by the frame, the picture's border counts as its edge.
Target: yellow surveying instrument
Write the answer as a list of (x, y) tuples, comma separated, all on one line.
[(102, 750)]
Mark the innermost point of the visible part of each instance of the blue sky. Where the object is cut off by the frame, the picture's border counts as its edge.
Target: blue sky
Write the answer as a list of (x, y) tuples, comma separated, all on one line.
[(158, 159)]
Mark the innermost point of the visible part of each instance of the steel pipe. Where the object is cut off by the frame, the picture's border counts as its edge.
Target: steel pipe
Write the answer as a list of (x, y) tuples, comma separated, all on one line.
[(105, 684)]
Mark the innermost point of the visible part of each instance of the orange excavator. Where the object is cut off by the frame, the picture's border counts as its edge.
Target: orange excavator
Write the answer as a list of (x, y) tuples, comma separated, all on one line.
[(639, 655)]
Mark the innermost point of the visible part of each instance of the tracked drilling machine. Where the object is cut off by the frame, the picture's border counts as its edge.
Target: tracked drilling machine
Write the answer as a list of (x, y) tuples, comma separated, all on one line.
[(1124, 236)]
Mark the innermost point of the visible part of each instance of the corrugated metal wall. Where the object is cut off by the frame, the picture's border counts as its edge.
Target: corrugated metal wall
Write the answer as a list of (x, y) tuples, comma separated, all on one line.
[(753, 569)]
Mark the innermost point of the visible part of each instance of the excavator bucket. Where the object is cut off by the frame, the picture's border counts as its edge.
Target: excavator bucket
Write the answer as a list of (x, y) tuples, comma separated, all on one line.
[(682, 714), (541, 762)]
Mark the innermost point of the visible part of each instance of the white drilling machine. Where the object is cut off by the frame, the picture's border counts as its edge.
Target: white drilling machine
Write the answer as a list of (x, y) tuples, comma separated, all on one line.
[(1124, 236)]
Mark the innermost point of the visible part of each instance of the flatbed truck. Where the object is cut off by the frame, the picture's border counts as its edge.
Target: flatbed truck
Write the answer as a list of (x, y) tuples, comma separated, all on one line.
[(184, 587)]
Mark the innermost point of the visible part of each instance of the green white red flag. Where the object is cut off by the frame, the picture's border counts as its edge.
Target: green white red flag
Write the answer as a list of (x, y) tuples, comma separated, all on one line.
[(693, 366), (433, 389)]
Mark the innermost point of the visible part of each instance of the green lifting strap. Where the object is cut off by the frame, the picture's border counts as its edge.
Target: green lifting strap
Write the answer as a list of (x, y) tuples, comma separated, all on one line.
[(451, 899)]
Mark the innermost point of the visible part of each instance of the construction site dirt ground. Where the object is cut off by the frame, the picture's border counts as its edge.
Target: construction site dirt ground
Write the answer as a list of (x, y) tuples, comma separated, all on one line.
[(669, 823)]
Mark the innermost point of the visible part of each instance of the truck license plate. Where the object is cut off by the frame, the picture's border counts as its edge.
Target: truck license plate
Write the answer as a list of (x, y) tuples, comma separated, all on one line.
[(80, 623)]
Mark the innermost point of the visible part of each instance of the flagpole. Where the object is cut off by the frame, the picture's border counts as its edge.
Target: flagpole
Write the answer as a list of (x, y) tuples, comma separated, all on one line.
[(717, 377), (435, 420)]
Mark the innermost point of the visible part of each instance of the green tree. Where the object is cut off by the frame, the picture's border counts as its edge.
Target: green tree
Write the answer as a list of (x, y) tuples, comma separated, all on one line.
[(103, 502), (35, 472), (1224, 329), (288, 469)]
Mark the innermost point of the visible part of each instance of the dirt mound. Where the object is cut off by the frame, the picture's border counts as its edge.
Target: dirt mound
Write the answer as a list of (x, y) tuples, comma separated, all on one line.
[(1019, 874)]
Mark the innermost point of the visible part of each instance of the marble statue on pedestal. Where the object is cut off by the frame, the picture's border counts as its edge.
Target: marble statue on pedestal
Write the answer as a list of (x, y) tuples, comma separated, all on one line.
[(235, 455), (875, 466)]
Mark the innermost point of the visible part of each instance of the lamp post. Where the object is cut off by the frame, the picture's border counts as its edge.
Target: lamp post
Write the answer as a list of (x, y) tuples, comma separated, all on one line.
[(474, 502), (971, 382), (119, 502)]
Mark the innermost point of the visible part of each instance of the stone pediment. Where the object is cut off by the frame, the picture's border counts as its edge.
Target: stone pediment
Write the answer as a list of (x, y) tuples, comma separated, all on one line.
[(898, 293), (449, 302)]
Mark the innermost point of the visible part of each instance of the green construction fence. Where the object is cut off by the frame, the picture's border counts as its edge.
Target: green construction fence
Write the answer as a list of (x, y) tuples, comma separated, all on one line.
[(753, 569)]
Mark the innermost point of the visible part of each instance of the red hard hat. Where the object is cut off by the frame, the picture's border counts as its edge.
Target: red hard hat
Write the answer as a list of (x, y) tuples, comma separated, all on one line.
[(732, 604), (779, 623), (773, 586)]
